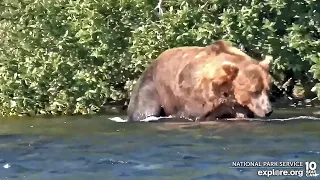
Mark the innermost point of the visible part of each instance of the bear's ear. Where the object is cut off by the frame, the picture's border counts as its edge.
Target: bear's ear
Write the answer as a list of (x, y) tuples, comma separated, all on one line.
[(266, 62), (230, 69)]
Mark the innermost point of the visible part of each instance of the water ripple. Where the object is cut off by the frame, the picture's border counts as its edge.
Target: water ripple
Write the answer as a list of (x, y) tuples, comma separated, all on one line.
[(172, 119), (144, 153)]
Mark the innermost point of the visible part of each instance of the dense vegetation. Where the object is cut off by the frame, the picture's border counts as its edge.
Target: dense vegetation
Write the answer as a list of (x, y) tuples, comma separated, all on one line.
[(74, 56)]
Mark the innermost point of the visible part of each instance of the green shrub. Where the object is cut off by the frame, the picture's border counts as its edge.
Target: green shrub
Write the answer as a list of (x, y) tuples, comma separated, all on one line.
[(75, 56)]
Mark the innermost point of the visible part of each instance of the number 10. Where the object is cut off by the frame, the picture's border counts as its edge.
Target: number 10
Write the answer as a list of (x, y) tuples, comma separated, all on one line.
[(311, 166)]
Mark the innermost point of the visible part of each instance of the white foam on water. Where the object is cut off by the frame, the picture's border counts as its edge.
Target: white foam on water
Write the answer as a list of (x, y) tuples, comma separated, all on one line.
[(153, 118), (6, 166), (148, 119), (149, 167), (118, 119)]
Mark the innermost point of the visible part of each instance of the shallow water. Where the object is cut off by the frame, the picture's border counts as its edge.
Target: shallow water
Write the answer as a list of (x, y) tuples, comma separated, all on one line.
[(93, 147)]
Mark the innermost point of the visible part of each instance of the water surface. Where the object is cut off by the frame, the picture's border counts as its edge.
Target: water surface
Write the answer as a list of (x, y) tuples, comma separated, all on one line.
[(93, 147)]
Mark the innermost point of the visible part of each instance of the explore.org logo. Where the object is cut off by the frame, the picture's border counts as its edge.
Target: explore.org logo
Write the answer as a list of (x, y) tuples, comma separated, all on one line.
[(280, 168), (311, 168)]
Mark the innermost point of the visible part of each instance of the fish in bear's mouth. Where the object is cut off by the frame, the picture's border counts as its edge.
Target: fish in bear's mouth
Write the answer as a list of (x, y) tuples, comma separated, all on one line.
[(250, 114), (237, 112)]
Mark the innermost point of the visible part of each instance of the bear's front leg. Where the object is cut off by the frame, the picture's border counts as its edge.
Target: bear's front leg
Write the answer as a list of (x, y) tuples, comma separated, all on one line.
[(195, 110), (144, 101)]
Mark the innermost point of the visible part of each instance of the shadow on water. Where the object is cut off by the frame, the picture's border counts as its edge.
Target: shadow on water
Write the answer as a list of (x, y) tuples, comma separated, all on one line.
[(93, 147)]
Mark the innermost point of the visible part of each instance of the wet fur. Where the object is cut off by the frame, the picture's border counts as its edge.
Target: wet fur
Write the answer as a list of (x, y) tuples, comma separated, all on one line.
[(194, 83), (144, 101)]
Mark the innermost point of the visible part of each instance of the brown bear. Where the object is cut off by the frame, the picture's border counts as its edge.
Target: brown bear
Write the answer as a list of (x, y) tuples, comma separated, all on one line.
[(202, 83)]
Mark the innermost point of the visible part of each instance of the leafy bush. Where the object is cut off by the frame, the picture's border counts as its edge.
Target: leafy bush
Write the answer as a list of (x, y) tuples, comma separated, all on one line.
[(75, 56)]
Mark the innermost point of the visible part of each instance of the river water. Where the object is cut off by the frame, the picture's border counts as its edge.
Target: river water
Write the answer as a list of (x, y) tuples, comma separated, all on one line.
[(94, 147)]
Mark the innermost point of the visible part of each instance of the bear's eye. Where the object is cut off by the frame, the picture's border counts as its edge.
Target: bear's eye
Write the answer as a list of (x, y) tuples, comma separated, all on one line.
[(256, 89), (256, 93)]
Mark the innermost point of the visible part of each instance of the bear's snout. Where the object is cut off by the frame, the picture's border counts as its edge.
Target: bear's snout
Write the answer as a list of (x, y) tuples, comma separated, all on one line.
[(261, 106), (269, 109), (269, 113)]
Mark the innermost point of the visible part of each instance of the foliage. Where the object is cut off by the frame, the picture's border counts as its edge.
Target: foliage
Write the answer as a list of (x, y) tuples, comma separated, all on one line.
[(75, 56)]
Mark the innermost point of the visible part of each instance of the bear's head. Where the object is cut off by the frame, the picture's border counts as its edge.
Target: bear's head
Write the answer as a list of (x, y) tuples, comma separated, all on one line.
[(250, 84), (236, 78)]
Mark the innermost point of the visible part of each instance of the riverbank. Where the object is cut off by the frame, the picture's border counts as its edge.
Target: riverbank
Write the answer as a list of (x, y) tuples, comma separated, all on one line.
[(72, 57)]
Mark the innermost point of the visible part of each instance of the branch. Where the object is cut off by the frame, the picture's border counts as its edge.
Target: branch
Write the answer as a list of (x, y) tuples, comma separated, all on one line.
[(159, 8)]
